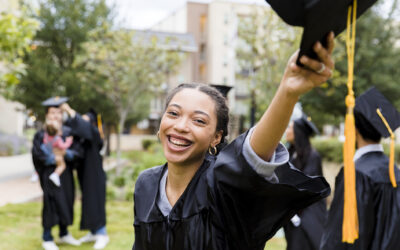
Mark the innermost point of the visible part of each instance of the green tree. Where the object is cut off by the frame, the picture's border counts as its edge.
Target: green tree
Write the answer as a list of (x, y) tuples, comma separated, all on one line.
[(130, 69), (377, 58), (16, 33), (265, 44), (65, 26)]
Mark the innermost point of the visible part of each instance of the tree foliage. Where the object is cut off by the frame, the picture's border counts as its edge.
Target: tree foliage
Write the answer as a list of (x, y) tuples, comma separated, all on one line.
[(265, 44), (125, 70), (64, 27), (16, 33), (377, 58)]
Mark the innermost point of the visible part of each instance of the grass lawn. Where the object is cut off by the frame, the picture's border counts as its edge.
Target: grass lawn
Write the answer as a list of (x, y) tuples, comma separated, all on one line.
[(20, 227)]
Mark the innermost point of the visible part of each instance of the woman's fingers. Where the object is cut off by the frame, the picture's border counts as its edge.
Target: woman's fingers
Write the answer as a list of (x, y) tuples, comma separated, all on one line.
[(330, 42), (324, 55), (317, 67)]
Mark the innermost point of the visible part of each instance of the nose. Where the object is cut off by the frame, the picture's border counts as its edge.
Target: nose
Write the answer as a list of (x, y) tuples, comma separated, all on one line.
[(181, 124)]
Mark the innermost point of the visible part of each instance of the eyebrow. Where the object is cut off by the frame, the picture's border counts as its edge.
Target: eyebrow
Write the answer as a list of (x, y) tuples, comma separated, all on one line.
[(196, 111)]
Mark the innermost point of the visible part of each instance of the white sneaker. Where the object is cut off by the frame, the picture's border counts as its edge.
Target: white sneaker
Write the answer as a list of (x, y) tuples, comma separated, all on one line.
[(101, 241), (49, 245), (69, 239), (34, 177), (55, 179), (89, 237)]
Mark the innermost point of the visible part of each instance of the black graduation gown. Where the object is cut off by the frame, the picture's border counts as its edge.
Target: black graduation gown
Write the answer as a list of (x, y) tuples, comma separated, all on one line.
[(307, 236), (57, 201), (378, 206), (92, 178), (226, 206)]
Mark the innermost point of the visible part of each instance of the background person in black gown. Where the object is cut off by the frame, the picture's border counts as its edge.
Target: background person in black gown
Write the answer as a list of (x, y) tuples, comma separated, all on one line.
[(304, 231), (57, 201), (92, 178), (378, 202)]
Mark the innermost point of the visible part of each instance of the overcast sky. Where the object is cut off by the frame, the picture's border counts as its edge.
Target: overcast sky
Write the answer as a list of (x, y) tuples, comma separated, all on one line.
[(142, 14)]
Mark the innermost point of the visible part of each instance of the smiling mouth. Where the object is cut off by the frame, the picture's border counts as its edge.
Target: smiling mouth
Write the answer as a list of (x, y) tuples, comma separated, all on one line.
[(179, 142)]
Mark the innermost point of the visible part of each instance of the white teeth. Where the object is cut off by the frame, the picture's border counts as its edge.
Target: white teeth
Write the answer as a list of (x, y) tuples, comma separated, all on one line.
[(178, 142)]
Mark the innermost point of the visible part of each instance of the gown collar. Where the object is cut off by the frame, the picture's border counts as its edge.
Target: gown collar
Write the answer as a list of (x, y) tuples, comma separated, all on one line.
[(367, 149)]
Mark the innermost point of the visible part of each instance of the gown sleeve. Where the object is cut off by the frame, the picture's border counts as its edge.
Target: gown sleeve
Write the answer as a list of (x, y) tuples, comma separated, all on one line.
[(40, 156), (80, 127), (253, 208), (85, 130), (332, 236)]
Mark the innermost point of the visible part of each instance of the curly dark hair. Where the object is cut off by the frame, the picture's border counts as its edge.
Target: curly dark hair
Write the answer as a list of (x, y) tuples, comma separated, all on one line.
[(221, 107)]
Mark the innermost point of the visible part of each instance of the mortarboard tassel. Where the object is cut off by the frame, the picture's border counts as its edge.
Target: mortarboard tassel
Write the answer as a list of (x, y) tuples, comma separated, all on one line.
[(100, 126), (392, 146), (350, 216)]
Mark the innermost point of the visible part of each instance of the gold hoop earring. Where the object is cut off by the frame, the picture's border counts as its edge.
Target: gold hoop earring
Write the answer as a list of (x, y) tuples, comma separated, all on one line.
[(212, 150), (158, 136)]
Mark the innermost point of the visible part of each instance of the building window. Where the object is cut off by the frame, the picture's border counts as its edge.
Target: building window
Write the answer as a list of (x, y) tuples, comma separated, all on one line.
[(225, 40), (225, 62), (226, 18), (203, 22), (225, 80), (203, 52), (202, 71)]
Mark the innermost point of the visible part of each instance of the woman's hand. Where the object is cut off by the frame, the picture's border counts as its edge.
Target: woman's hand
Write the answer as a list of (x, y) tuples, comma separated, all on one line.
[(66, 108), (297, 80)]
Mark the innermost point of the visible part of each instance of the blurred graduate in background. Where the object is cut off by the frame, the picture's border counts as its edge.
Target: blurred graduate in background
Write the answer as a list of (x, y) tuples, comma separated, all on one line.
[(92, 178), (304, 231), (377, 178), (58, 201)]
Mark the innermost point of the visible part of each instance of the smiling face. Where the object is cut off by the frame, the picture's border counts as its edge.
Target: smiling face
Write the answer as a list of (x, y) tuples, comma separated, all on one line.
[(188, 127)]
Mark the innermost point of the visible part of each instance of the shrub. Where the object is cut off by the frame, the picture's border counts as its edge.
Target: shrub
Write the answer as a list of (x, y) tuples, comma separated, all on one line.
[(146, 143), (119, 181), (330, 149)]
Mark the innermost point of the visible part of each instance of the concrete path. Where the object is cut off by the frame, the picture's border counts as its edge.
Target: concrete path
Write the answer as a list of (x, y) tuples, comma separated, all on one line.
[(12, 167), (15, 175)]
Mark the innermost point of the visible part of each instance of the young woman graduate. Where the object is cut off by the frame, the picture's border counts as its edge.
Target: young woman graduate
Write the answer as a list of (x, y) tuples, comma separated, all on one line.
[(305, 229), (92, 178), (236, 198), (57, 201)]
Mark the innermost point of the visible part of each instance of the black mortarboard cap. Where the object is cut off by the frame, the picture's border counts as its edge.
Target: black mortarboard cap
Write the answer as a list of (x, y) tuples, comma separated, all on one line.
[(318, 17), (223, 89), (305, 123), (368, 103), (55, 101), (92, 114)]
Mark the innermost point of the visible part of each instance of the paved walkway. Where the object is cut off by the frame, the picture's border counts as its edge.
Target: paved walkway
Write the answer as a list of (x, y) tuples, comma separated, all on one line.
[(15, 183), (12, 167)]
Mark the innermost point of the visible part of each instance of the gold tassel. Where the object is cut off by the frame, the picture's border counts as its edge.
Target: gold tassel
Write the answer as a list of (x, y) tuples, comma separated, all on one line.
[(392, 146), (350, 216), (100, 126)]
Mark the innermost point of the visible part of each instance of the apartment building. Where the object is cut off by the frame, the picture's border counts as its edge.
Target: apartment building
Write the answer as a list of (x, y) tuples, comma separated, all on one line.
[(214, 27)]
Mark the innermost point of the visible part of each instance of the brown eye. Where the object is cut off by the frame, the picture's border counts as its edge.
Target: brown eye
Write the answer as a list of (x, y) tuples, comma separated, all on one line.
[(172, 113), (200, 121)]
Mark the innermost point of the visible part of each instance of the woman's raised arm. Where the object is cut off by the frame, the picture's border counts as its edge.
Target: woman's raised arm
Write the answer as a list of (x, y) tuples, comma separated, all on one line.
[(295, 82)]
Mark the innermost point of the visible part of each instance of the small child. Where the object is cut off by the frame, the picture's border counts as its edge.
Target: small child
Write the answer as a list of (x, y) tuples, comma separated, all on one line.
[(52, 139)]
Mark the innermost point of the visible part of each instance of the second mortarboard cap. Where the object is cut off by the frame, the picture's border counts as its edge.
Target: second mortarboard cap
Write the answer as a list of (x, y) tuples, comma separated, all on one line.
[(318, 17), (305, 123), (369, 102), (383, 116), (223, 89), (55, 101)]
